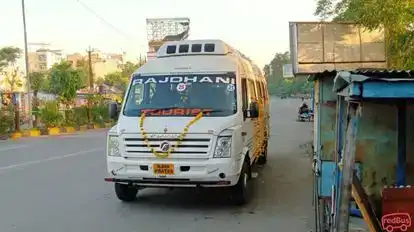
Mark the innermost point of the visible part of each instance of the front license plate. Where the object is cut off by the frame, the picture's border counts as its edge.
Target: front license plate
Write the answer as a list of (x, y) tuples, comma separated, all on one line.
[(163, 169)]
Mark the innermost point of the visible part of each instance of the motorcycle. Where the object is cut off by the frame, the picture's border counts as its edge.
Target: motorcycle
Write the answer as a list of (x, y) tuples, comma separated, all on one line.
[(305, 116)]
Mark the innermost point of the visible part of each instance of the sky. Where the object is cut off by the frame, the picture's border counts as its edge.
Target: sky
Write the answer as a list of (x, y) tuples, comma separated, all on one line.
[(257, 28)]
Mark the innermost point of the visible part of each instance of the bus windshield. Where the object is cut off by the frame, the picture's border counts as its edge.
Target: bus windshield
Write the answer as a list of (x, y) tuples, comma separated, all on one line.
[(184, 95)]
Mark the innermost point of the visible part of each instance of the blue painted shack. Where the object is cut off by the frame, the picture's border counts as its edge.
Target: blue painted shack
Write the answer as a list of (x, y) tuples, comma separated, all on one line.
[(319, 46), (324, 130), (379, 137)]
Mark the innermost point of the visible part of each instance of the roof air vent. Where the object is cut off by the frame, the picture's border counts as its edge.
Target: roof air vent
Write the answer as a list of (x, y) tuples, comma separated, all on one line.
[(171, 49), (209, 47)]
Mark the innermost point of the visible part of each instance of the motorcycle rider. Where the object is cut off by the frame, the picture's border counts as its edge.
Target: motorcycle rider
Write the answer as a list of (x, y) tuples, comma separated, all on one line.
[(303, 108)]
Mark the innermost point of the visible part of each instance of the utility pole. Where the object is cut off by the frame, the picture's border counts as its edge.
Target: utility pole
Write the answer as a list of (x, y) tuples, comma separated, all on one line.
[(90, 70), (91, 90), (26, 57)]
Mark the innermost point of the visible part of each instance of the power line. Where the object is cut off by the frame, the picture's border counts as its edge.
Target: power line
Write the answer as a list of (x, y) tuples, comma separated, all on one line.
[(104, 20)]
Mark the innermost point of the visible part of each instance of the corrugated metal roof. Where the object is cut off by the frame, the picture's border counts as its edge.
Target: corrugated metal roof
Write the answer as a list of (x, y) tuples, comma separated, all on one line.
[(385, 73), (344, 79), (372, 73)]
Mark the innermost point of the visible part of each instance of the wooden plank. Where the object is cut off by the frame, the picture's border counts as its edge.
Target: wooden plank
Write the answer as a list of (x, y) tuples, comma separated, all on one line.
[(348, 163), (362, 200)]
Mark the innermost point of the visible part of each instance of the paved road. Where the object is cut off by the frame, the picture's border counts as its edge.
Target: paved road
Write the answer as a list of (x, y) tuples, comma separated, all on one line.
[(56, 184)]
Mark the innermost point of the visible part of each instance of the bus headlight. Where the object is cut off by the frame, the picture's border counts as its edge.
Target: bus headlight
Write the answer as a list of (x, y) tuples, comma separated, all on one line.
[(113, 146), (223, 147)]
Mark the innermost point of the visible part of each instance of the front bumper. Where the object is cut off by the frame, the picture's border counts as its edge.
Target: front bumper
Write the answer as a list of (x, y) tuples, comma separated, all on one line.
[(194, 173)]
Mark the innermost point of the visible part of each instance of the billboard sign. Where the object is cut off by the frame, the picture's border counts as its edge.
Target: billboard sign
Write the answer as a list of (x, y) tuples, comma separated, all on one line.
[(327, 46), (287, 71), (161, 30)]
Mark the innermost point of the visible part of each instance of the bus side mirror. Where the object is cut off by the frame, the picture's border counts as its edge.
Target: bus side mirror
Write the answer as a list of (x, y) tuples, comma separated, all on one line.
[(113, 110)]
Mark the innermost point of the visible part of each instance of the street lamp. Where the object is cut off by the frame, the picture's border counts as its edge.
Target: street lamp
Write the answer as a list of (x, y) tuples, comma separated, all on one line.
[(26, 57)]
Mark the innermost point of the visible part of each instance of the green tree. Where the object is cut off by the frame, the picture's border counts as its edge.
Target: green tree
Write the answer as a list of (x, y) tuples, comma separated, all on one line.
[(12, 80), (129, 68), (117, 80), (10, 71), (274, 73), (396, 16), (280, 86), (120, 79), (83, 66), (38, 82), (9, 55), (276, 67), (65, 81)]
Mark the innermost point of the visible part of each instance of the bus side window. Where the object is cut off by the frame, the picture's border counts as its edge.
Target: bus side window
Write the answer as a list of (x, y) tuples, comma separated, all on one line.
[(259, 90), (264, 91), (244, 95), (252, 91)]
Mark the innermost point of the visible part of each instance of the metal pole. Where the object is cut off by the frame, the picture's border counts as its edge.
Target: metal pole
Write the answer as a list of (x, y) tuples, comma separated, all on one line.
[(26, 57), (91, 82)]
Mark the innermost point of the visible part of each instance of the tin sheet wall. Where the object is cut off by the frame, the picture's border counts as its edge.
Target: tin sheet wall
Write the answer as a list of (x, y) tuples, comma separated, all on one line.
[(376, 142), (327, 119), (377, 146)]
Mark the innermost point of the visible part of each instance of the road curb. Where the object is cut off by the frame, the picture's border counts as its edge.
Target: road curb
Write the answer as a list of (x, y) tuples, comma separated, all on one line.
[(56, 131), (16, 135)]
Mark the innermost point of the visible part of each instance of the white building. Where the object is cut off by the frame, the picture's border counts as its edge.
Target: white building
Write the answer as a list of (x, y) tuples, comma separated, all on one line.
[(42, 57)]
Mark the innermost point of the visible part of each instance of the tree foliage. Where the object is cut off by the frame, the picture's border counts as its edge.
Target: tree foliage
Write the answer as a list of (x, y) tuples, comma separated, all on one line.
[(12, 81), (129, 68), (275, 68), (38, 81), (8, 68), (83, 66), (65, 81), (117, 80), (280, 86), (120, 79), (396, 16), (8, 55)]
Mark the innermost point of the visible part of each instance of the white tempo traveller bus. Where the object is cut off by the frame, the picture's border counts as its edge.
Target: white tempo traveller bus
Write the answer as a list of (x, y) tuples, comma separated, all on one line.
[(196, 116)]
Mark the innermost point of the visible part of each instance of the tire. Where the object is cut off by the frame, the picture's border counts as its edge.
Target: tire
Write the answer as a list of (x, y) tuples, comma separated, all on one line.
[(125, 192), (241, 192), (262, 160)]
